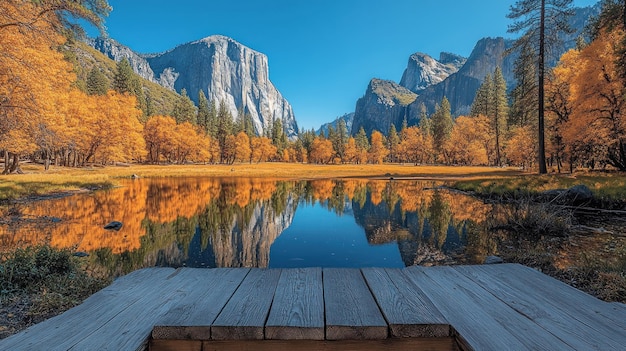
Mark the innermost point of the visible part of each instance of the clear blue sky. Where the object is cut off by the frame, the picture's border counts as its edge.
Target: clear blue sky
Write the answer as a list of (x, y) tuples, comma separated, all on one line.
[(322, 53)]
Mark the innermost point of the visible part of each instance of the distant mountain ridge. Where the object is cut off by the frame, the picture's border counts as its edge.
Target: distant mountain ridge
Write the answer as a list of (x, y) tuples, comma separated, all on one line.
[(451, 76), (222, 68), (347, 119)]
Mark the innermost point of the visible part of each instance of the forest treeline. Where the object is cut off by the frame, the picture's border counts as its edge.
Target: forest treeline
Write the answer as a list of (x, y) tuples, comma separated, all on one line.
[(50, 117)]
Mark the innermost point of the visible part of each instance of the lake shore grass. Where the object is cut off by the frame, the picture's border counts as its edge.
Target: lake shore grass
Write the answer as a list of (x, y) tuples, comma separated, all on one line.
[(608, 188), (35, 182)]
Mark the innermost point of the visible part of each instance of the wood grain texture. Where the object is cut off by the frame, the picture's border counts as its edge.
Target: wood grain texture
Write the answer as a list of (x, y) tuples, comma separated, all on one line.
[(409, 312), (351, 312), (175, 345), (298, 308), (136, 321), (578, 327), (581, 302), (483, 321), (83, 321), (407, 344), (191, 317), (244, 315)]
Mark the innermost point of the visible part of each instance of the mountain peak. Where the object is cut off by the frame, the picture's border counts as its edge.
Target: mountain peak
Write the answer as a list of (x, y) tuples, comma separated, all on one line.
[(423, 71), (223, 69)]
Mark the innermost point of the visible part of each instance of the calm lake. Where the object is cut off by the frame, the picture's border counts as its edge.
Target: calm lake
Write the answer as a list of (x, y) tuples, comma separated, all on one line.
[(209, 222)]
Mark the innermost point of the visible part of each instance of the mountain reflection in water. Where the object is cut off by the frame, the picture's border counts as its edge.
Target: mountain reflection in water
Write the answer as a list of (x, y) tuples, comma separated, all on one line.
[(241, 222)]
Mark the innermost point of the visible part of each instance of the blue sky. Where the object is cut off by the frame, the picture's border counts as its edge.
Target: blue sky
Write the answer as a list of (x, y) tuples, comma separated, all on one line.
[(322, 53)]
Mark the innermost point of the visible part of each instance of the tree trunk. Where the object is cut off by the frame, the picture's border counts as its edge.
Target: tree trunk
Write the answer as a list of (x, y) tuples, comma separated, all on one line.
[(542, 147), (6, 162)]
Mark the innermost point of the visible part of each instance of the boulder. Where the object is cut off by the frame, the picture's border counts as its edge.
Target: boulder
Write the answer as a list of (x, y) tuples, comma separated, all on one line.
[(115, 225)]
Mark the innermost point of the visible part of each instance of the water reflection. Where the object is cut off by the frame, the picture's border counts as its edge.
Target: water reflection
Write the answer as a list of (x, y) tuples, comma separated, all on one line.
[(209, 222)]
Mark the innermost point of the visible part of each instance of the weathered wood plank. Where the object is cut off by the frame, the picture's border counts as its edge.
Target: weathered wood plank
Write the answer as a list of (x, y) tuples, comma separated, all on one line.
[(483, 321), (566, 292), (175, 345), (66, 330), (191, 317), (298, 308), (351, 311), (244, 315), (409, 312), (397, 344), (577, 327), (130, 329)]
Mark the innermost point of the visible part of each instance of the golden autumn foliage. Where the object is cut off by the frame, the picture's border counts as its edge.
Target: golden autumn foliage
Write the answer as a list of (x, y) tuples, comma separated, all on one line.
[(598, 116), (470, 141), (32, 72), (377, 151), (522, 147), (321, 151)]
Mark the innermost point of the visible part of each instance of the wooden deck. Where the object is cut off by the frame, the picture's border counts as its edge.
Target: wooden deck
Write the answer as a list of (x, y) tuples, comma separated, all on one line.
[(495, 307)]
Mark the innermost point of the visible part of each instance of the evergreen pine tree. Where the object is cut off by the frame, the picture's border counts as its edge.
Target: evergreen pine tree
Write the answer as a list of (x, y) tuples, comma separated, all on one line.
[(392, 142), (524, 95), (97, 82), (184, 110), (361, 140), (425, 122), (122, 82), (341, 139), (500, 111), (212, 119), (442, 127), (203, 117), (541, 21), (483, 99), (224, 128)]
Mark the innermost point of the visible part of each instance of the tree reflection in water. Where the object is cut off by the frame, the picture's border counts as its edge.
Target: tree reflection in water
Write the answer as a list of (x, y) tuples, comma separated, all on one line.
[(211, 222)]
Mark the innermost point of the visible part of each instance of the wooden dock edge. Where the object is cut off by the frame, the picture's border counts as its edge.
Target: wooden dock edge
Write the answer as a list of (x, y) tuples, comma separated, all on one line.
[(391, 344)]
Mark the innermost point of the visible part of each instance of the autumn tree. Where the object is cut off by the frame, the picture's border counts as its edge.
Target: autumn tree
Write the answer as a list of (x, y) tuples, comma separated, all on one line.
[(262, 149), (158, 134), (321, 151), (33, 78), (469, 140), (599, 91), (350, 152), (415, 145), (559, 105), (377, 151), (541, 21), (522, 146), (243, 152)]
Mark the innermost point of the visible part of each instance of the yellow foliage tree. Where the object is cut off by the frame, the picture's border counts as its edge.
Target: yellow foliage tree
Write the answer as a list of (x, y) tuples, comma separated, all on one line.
[(377, 151)]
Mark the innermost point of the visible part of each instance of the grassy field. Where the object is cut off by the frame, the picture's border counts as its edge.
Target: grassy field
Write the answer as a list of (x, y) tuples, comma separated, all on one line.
[(37, 182)]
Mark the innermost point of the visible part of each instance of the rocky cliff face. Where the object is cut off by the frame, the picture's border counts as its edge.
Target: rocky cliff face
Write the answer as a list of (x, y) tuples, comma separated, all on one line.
[(423, 71), (221, 67), (117, 52), (460, 87), (385, 102)]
